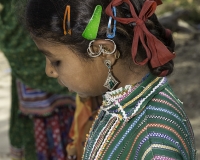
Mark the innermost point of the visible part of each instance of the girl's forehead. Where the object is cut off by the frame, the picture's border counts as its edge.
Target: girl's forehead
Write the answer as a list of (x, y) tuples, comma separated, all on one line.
[(46, 45)]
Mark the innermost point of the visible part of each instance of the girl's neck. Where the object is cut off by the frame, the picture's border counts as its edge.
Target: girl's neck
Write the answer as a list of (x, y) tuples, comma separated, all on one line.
[(129, 75), (96, 102)]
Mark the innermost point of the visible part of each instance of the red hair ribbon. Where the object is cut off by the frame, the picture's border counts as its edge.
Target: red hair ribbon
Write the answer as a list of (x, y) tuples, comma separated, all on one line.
[(157, 53)]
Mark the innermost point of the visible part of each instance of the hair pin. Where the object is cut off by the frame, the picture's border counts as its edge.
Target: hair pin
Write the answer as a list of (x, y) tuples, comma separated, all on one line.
[(111, 34), (92, 27), (67, 16)]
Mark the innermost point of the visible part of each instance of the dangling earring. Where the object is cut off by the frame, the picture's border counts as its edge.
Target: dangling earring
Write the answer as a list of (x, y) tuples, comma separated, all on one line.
[(111, 82)]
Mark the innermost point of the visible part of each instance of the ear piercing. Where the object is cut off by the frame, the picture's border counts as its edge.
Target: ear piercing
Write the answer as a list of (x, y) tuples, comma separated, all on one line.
[(100, 50)]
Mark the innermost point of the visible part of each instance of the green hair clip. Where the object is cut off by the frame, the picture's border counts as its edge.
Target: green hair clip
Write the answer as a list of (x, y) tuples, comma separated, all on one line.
[(91, 29)]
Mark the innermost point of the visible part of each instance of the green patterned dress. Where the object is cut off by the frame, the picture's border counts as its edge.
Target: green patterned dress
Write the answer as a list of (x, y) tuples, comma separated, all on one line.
[(142, 122), (28, 66)]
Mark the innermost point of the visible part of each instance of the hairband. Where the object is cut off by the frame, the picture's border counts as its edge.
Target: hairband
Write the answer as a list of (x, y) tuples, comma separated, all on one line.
[(91, 29), (111, 34), (67, 16), (157, 52)]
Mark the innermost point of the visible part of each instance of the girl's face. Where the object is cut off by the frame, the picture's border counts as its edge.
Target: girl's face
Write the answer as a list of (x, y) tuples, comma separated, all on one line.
[(86, 78)]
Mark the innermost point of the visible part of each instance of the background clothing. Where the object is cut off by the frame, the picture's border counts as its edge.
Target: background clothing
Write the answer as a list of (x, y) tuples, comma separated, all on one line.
[(37, 102), (26, 61), (83, 119), (49, 115), (39, 135)]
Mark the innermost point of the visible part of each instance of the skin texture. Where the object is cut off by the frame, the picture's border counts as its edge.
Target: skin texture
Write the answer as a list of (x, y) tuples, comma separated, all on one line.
[(86, 77)]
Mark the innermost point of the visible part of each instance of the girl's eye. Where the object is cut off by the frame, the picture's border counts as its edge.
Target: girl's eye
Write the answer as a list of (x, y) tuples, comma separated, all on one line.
[(56, 63)]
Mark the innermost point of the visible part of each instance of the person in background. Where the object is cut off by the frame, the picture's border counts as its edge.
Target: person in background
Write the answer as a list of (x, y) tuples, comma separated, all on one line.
[(84, 116), (42, 111), (117, 49)]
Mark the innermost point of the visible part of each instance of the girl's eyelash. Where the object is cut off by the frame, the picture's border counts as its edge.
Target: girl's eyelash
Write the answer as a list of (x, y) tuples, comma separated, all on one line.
[(56, 63)]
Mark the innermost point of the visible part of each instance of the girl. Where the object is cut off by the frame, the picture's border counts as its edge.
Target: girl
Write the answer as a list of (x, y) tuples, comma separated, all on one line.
[(119, 49)]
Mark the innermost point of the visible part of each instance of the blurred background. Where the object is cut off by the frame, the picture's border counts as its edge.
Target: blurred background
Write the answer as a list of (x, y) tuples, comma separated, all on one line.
[(183, 18)]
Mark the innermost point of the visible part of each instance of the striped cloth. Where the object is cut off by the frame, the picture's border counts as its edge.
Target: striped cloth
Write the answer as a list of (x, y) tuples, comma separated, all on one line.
[(37, 102), (141, 122), (42, 127)]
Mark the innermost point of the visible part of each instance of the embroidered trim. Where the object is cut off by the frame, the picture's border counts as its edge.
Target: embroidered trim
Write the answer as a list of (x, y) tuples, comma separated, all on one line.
[(107, 139), (139, 104), (166, 103), (158, 146), (125, 134), (162, 157), (141, 93), (100, 138), (158, 126), (168, 120), (168, 112), (160, 135)]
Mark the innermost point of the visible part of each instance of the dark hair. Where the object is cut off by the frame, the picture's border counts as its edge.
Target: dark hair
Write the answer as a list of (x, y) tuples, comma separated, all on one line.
[(44, 18)]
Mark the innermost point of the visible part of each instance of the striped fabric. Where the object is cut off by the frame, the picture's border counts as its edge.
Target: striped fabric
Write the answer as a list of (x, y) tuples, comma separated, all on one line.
[(37, 102), (41, 130), (141, 122)]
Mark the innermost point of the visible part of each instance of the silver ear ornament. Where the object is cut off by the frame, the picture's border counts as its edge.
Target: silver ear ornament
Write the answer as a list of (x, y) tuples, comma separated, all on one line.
[(101, 49), (114, 49), (91, 53), (111, 82)]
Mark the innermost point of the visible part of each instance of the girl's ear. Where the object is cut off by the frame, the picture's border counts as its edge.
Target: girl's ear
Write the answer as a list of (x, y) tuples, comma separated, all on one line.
[(109, 51), (110, 57)]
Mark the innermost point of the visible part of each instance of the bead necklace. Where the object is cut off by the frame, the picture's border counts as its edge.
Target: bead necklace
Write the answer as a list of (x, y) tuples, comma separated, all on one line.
[(116, 96)]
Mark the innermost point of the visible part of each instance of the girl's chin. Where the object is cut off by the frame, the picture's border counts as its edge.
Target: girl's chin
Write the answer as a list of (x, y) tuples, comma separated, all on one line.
[(83, 95), (60, 83), (71, 90)]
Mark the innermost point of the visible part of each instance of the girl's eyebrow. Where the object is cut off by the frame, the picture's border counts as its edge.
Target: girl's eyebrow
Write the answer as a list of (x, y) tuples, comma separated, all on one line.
[(46, 53)]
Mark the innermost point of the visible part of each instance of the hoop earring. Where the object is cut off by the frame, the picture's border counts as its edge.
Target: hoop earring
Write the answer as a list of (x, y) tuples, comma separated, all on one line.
[(91, 53), (101, 49), (108, 52), (111, 82)]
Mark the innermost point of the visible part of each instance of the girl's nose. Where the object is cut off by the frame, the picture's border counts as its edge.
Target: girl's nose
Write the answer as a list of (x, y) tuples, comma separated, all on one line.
[(50, 70)]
